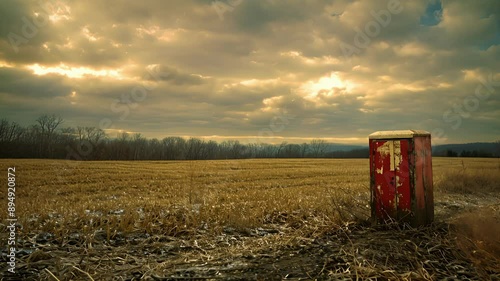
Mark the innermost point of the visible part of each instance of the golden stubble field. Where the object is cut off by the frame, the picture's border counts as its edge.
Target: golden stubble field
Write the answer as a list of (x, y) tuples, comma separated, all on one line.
[(251, 219)]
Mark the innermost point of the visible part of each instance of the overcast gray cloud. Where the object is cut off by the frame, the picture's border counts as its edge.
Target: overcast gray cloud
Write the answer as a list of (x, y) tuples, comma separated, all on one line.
[(292, 70)]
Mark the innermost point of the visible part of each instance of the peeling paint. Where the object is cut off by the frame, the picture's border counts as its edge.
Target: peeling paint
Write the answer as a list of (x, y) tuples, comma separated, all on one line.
[(381, 170), (397, 154), (391, 154), (398, 183), (384, 149)]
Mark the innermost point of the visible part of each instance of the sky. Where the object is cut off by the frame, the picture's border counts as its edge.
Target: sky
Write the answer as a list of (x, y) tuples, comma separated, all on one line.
[(255, 70)]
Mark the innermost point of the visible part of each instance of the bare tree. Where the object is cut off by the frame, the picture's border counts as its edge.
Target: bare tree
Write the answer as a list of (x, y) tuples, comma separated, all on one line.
[(224, 147), (280, 148), (291, 151), (231, 149), (266, 150), (68, 132), (11, 134), (66, 138), (80, 132), (318, 147), (498, 148), (303, 149), (210, 150), (94, 135), (4, 127), (48, 124), (253, 150), (193, 148), (237, 149), (173, 148), (10, 131), (90, 138), (138, 146), (122, 146), (153, 149)]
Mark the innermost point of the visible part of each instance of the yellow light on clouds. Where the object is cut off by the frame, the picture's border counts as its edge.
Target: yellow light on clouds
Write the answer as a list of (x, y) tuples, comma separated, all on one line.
[(75, 72), (55, 18), (5, 64), (312, 88)]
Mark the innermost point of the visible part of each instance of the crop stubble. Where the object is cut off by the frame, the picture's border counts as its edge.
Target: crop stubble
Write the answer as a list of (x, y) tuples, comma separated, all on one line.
[(248, 219)]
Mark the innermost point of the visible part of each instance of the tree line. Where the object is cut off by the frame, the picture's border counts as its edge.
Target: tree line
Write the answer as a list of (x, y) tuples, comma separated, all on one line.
[(47, 138), (467, 153)]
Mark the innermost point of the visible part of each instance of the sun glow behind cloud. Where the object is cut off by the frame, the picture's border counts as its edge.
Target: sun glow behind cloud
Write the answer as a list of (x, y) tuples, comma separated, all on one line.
[(326, 86), (75, 72)]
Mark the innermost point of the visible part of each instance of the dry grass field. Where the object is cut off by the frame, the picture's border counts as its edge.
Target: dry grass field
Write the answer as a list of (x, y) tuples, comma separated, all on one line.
[(258, 219)]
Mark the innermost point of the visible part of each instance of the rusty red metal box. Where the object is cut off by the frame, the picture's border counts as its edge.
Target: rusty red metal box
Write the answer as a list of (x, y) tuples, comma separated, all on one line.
[(401, 176)]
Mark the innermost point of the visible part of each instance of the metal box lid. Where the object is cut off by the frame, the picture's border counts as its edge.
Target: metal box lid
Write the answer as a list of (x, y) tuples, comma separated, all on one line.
[(398, 134)]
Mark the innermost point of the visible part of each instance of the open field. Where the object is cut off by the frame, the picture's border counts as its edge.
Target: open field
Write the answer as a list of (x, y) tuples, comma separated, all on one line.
[(244, 219)]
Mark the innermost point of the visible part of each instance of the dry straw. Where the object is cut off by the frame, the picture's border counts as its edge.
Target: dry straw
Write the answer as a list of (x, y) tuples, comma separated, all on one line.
[(245, 220)]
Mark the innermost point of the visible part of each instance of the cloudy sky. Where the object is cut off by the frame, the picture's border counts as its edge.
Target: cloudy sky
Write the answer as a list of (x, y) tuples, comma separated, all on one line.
[(257, 71)]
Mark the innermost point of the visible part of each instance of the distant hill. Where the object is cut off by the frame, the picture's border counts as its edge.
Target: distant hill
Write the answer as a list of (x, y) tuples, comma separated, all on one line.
[(344, 147), (480, 147), (477, 149)]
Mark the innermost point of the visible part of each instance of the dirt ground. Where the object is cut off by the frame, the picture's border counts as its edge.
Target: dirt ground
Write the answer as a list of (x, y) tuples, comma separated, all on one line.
[(290, 244), (448, 249)]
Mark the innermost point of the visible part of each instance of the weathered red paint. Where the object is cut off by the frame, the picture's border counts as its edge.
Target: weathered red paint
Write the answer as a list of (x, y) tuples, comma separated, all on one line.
[(403, 180), (401, 176), (423, 181)]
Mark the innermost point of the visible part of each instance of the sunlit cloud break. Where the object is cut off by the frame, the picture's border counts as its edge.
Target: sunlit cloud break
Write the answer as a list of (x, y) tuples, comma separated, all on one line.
[(74, 72)]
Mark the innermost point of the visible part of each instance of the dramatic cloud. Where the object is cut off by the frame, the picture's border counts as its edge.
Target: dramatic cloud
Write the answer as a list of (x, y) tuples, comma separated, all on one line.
[(263, 70)]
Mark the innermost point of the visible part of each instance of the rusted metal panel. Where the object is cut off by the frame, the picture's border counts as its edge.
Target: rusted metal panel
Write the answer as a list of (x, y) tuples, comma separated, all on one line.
[(401, 176), (423, 180)]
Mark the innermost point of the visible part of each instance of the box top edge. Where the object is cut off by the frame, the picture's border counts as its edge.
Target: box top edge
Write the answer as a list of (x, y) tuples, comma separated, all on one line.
[(398, 134)]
